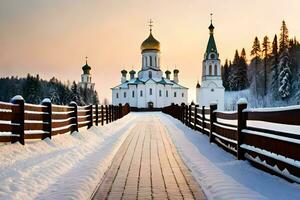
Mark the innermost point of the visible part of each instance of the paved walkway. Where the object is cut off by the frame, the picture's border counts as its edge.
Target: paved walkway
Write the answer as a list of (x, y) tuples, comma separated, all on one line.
[(147, 166)]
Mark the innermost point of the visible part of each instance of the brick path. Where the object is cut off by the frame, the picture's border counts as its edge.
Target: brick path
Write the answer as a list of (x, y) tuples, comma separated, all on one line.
[(147, 166)]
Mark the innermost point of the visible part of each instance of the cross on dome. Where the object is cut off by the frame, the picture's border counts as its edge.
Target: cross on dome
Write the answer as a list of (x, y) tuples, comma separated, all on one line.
[(150, 24)]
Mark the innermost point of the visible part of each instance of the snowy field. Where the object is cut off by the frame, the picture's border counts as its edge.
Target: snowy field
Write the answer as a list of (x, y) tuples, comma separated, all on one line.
[(66, 167), (71, 166)]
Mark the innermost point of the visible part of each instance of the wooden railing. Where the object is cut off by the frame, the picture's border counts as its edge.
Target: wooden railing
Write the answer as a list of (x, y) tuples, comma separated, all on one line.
[(266, 147), (20, 121)]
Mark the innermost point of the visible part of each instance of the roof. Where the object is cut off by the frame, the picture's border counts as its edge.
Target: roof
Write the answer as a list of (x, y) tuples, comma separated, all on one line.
[(137, 81), (150, 44)]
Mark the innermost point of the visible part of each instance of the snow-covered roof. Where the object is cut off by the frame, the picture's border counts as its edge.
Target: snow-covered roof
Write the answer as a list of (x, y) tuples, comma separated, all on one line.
[(136, 81)]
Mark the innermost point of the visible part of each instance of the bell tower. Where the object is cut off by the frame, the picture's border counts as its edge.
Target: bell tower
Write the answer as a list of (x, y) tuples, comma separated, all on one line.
[(211, 89)]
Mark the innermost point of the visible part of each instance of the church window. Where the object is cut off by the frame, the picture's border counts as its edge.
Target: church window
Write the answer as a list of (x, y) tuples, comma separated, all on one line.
[(212, 89), (210, 70), (175, 94), (167, 93), (182, 95), (124, 94), (160, 93), (216, 70), (150, 91), (146, 60), (150, 58), (212, 56), (141, 93), (150, 74), (117, 95), (155, 61), (82, 79), (132, 94)]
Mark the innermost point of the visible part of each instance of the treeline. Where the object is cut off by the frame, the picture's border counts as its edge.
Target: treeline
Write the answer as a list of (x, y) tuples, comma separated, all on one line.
[(272, 74), (34, 90)]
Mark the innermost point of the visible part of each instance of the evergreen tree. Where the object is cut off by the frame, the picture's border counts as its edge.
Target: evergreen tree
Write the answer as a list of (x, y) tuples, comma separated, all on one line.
[(225, 75), (285, 75), (242, 70), (266, 52), (256, 53), (284, 37), (274, 68)]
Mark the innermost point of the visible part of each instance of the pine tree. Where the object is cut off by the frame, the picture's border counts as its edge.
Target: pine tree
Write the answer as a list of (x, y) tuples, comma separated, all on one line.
[(284, 37), (274, 68), (266, 53), (285, 75), (256, 53), (243, 70), (226, 75)]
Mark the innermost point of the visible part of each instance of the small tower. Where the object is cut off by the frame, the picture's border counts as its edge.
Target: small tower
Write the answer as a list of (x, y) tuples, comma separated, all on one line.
[(86, 77), (175, 74), (211, 89)]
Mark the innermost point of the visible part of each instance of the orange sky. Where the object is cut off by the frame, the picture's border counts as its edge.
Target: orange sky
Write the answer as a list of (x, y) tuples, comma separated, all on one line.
[(52, 38)]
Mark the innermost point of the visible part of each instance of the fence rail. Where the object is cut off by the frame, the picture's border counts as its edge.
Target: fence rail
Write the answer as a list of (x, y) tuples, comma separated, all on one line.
[(20, 121), (275, 151)]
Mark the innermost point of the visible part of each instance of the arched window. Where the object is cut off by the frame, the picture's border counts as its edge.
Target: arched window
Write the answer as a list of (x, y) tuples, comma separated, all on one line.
[(141, 93), (182, 95), (150, 91), (167, 93), (124, 94), (175, 94), (155, 64), (146, 61), (150, 58), (160, 93), (210, 70), (216, 70), (150, 74), (132, 94), (117, 95)]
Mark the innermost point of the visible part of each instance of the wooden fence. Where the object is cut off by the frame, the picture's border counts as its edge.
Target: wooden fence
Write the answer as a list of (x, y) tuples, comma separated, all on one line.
[(20, 121), (250, 134)]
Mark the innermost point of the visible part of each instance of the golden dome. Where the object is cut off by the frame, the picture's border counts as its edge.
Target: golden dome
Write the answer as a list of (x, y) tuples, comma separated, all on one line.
[(150, 44)]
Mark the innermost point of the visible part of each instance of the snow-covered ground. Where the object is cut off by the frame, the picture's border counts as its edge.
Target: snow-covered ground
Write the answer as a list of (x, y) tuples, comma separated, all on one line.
[(70, 166), (66, 167), (220, 174)]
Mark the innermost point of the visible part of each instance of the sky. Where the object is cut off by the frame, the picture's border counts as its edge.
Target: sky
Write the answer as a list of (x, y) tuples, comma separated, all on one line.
[(53, 37)]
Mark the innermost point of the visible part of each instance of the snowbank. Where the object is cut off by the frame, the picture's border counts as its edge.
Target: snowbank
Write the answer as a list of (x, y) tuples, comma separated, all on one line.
[(66, 167), (219, 173)]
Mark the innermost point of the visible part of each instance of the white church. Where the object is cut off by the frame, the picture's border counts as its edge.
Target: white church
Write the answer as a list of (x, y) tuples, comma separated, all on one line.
[(149, 89), (211, 88)]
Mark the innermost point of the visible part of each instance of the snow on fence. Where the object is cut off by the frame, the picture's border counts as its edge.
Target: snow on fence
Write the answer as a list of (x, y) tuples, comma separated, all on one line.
[(249, 134), (20, 121)]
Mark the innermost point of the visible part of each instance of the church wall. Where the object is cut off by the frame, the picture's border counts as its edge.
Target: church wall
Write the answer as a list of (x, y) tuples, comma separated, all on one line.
[(207, 95)]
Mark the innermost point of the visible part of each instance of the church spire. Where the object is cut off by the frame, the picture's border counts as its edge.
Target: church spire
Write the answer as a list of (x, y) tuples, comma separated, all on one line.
[(150, 25), (211, 27), (211, 45)]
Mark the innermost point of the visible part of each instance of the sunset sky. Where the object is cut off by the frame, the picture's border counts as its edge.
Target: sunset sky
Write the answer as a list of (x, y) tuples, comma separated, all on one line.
[(52, 37)]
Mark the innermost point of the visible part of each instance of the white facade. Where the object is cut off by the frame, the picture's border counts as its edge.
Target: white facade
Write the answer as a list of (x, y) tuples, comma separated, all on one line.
[(86, 78), (211, 88), (149, 88)]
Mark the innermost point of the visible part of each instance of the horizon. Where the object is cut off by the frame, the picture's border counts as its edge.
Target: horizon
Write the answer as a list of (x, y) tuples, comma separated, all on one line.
[(56, 37)]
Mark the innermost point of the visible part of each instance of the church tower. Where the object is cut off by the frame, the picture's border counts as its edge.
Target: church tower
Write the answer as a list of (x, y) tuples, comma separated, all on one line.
[(86, 77), (211, 88)]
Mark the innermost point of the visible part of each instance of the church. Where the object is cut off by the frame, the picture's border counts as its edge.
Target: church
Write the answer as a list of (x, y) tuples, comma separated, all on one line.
[(211, 88), (149, 88)]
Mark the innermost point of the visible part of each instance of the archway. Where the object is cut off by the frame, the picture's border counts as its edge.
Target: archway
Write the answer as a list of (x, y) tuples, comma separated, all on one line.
[(150, 105)]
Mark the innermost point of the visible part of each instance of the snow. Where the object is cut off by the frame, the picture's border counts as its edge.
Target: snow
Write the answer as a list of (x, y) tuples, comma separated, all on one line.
[(219, 173), (17, 98), (66, 167), (242, 101), (71, 166), (273, 109), (46, 100)]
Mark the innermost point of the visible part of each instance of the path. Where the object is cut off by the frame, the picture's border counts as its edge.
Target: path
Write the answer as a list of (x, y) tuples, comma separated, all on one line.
[(147, 166)]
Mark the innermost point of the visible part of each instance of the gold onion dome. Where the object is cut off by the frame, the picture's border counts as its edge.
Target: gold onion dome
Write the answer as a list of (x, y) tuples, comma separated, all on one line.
[(150, 44)]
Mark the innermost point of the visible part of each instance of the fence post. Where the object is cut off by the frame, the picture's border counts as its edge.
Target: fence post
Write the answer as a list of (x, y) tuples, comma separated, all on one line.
[(120, 111), (241, 125), (186, 114), (107, 113), (195, 117), (102, 115), (203, 119), (190, 116), (91, 116), (96, 114), (48, 118), (213, 119), (75, 115), (20, 117), (182, 113)]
